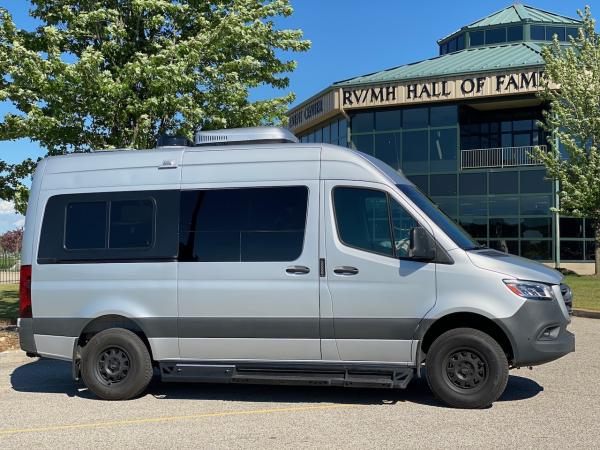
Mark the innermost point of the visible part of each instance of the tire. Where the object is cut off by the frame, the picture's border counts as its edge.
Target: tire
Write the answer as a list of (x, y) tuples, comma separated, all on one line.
[(466, 368), (116, 365)]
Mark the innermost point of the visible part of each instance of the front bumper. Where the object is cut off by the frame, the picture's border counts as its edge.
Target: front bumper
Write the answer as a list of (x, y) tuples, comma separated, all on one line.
[(538, 333), (26, 338)]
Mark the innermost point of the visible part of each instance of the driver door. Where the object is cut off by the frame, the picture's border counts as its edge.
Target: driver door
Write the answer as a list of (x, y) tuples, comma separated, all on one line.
[(379, 294)]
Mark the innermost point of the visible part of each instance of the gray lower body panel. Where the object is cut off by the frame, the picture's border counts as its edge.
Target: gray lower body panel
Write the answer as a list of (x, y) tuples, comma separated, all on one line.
[(526, 329), (26, 337)]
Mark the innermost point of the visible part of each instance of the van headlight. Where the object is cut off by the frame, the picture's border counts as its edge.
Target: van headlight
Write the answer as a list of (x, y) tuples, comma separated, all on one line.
[(530, 289)]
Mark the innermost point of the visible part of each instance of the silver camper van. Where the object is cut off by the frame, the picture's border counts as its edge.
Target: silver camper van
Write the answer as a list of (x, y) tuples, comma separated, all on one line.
[(247, 257)]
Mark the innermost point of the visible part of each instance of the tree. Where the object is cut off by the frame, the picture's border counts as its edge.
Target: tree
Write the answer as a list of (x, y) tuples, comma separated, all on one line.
[(120, 73), (11, 241), (572, 90)]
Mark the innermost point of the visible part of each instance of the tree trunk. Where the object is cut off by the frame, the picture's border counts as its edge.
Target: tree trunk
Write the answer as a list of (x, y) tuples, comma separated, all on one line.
[(597, 252)]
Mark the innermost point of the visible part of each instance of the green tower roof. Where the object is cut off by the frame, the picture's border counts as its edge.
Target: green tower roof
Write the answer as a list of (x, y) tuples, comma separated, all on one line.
[(517, 13)]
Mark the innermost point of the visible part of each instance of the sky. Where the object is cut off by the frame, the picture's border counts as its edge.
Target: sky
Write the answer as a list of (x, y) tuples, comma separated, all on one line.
[(349, 38)]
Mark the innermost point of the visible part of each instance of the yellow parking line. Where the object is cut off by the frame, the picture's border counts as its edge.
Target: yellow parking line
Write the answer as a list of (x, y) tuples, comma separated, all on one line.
[(168, 419)]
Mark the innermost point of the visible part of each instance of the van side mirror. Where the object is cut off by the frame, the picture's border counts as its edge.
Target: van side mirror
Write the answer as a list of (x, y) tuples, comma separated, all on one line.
[(422, 245)]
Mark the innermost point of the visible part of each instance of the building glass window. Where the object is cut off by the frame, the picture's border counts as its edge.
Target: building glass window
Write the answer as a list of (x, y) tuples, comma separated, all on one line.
[(473, 183), (447, 205), (319, 135), (536, 205), (415, 118), (558, 31), (475, 226), (514, 33), (590, 250), (443, 185), (460, 42), (538, 33), (327, 134), (495, 35), (572, 32), (363, 143), (387, 149), (539, 250), (343, 133), (334, 132), (389, 119), (505, 246), (504, 228), (535, 181), (571, 250), (538, 227), (504, 182), (452, 46), (476, 38), (415, 151), (421, 181), (362, 122), (571, 227), (472, 206), (504, 206), (444, 116), (589, 229), (443, 150)]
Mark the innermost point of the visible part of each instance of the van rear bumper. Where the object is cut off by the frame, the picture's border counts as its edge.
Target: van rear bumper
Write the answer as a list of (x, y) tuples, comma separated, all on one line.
[(26, 338), (538, 333)]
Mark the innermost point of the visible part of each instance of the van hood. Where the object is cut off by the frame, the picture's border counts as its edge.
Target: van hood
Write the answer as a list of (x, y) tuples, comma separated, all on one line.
[(513, 266)]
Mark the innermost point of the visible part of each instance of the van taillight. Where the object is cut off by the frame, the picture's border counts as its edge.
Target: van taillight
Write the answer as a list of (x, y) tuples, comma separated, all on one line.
[(25, 293)]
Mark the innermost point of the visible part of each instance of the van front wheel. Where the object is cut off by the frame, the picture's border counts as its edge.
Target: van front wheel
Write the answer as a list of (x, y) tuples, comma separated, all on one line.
[(116, 365), (466, 368)]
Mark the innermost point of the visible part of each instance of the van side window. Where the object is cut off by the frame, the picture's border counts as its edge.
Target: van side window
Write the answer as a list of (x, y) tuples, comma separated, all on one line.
[(402, 223), (110, 226), (131, 223), (368, 219), (85, 225), (363, 219), (243, 224)]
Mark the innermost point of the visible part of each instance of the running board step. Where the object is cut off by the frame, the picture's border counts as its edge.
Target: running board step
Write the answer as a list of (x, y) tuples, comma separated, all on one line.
[(208, 373)]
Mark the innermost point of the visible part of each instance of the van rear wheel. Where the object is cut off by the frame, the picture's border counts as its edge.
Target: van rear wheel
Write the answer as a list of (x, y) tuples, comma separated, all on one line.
[(116, 365), (466, 368)]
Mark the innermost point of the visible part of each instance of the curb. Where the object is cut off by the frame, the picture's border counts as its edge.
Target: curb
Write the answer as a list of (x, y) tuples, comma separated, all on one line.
[(586, 313)]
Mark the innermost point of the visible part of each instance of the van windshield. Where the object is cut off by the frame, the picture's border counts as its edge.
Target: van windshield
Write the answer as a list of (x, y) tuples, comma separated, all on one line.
[(448, 226)]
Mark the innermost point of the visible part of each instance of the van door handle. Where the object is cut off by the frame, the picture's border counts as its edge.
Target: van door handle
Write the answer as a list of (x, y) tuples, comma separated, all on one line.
[(345, 270), (297, 270)]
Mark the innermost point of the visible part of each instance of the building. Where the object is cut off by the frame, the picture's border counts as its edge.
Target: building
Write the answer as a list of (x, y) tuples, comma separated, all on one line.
[(462, 126)]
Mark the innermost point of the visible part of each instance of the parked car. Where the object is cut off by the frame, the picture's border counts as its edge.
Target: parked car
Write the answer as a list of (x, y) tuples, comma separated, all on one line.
[(248, 257)]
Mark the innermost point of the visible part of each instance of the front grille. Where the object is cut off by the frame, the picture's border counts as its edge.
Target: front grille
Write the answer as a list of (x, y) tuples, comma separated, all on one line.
[(567, 296)]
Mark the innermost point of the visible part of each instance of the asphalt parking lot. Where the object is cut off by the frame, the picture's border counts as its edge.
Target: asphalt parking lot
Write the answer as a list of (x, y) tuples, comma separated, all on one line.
[(556, 405)]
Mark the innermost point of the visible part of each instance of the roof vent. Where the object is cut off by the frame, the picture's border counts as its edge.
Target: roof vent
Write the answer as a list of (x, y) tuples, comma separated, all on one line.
[(166, 140), (255, 135)]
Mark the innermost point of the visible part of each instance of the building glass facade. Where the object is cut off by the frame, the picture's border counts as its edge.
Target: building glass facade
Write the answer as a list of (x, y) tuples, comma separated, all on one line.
[(469, 145), (506, 209)]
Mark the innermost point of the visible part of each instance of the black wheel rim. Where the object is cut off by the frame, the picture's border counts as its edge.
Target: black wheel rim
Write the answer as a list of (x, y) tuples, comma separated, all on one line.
[(113, 365), (466, 370)]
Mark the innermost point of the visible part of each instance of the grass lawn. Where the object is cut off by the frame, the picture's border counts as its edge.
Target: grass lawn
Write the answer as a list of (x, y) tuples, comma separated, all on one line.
[(9, 301), (586, 291)]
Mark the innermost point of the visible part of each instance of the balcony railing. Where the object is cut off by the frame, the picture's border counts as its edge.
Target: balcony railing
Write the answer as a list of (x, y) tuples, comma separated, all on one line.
[(482, 158)]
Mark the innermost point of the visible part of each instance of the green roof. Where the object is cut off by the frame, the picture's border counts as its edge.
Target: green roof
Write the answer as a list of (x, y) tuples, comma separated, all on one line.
[(471, 60), (522, 13), (515, 14)]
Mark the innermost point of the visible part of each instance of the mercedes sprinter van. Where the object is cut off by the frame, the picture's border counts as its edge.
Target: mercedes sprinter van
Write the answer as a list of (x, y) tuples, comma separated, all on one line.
[(247, 257)]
